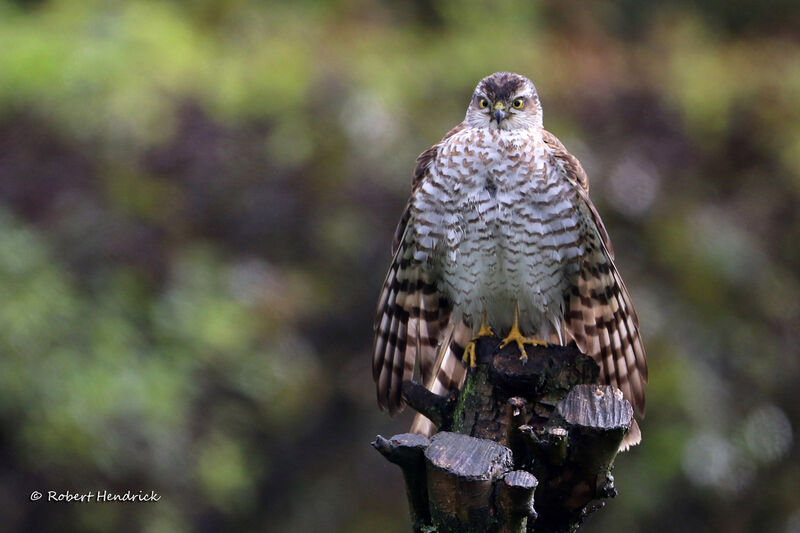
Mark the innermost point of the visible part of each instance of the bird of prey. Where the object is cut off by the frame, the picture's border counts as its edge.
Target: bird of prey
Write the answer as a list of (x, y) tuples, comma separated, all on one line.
[(500, 235)]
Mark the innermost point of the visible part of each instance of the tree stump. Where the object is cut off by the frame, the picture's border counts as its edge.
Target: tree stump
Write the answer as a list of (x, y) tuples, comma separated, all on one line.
[(516, 424)]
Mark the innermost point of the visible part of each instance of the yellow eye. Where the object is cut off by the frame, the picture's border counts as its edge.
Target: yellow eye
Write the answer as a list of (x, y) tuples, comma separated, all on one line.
[(518, 103), (484, 103)]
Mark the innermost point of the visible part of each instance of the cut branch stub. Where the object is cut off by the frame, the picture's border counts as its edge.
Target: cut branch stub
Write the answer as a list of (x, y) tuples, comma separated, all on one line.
[(516, 416), (574, 452), (598, 406), (407, 451), (514, 501), (597, 417), (439, 409), (461, 471)]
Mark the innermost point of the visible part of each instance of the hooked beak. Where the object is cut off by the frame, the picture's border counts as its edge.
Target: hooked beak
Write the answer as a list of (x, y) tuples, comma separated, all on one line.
[(499, 112)]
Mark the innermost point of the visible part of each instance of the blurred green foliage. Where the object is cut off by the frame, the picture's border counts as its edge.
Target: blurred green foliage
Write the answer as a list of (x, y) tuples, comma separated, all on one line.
[(196, 205)]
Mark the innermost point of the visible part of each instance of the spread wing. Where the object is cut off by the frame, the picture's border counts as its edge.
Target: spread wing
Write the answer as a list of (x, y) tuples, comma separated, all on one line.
[(412, 316), (598, 313)]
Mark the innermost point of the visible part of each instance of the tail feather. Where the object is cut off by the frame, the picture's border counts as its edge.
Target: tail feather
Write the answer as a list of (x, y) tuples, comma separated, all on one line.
[(422, 425), (632, 438), (449, 373), (434, 315)]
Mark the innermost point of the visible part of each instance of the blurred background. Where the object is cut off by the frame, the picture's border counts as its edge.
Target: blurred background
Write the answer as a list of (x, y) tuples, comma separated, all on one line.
[(197, 200)]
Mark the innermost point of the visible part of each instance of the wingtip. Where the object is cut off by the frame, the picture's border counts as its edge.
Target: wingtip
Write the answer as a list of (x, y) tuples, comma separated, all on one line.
[(632, 438), (422, 425)]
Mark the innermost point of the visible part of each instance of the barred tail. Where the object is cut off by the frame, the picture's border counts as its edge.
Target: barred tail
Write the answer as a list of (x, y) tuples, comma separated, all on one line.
[(449, 370)]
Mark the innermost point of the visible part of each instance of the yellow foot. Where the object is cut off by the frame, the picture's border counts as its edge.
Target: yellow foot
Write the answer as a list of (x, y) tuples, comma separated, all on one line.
[(469, 356), (485, 330), (515, 335)]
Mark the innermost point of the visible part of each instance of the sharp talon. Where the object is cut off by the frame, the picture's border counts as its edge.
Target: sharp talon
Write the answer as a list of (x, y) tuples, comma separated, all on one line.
[(515, 335), (469, 356)]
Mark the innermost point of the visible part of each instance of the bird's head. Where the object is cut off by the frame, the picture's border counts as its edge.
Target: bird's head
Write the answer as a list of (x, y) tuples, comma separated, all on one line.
[(505, 101)]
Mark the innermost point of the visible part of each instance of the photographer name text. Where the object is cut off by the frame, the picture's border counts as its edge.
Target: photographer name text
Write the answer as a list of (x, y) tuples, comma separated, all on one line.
[(96, 496)]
